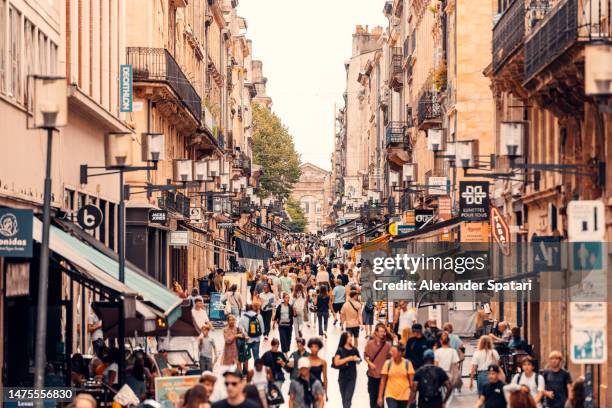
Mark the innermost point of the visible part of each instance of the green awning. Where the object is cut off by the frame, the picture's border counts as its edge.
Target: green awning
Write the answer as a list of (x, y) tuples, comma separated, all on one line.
[(147, 289)]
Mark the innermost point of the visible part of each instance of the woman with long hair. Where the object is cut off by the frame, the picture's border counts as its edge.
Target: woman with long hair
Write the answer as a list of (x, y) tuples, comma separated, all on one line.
[(346, 360), (252, 395), (230, 352), (521, 399), (576, 400), (196, 397), (299, 309), (483, 357), (284, 316), (234, 299), (323, 306)]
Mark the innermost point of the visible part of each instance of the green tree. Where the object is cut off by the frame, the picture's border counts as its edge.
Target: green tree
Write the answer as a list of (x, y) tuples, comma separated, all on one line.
[(274, 151), (298, 219)]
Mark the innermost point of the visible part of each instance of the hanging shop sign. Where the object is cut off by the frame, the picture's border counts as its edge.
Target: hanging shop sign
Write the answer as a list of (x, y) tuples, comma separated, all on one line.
[(158, 216), (444, 208), (125, 87), (195, 214), (227, 225), (474, 200), (588, 334), (475, 232), (179, 238), (422, 217), (16, 233), (438, 186), (500, 231), (89, 217)]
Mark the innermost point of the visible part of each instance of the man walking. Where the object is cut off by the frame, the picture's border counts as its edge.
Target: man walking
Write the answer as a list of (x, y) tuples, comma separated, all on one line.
[(350, 315), (306, 391), (252, 324), (375, 354), (428, 381), (234, 383), (416, 346), (558, 382)]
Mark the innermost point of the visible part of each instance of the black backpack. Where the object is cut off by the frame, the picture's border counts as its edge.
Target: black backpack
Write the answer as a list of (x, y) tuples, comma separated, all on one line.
[(254, 326), (429, 387)]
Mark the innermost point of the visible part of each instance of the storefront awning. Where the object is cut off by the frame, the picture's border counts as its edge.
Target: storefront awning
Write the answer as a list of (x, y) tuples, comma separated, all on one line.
[(249, 250), (143, 324), (423, 232), (104, 268)]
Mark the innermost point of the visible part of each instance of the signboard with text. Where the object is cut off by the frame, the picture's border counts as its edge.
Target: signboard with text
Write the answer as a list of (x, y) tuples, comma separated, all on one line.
[(422, 217), (588, 334), (474, 200), (179, 238), (475, 232), (125, 88), (158, 216), (16, 233), (437, 186), (169, 391), (500, 231)]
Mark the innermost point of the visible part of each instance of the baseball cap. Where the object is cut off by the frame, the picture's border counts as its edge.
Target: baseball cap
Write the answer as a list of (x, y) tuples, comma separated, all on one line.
[(208, 375), (493, 368), (235, 372), (303, 362), (417, 327), (429, 354), (198, 299)]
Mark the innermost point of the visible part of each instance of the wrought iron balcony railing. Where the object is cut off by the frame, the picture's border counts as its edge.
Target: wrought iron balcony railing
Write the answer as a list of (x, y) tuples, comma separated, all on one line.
[(175, 202), (508, 33), (158, 65), (429, 108), (569, 22), (394, 133)]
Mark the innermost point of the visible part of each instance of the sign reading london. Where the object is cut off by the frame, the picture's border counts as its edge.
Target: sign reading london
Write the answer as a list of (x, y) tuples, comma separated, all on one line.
[(474, 200), (16, 233)]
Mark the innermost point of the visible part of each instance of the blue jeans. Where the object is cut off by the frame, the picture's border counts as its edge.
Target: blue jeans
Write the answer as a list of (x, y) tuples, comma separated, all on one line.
[(393, 403), (481, 381), (254, 346)]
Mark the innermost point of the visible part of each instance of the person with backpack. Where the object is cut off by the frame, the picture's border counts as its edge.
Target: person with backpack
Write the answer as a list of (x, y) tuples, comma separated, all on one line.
[(284, 318), (367, 317), (528, 378), (305, 391), (416, 346), (558, 382), (428, 382), (375, 354), (252, 324), (396, 380), (350, 316)]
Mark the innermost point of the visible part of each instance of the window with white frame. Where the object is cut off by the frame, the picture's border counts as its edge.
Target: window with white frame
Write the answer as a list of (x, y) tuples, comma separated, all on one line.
[(53, 49), (43, 55), (14, 44), (29, 41)]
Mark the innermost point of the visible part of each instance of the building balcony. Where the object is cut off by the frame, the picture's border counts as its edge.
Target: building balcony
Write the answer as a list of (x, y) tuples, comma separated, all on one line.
[(396, 72), (429, 112), (174, 202), (568, 23), (394, 134), (508, 33), (243, 163), (157, 65)]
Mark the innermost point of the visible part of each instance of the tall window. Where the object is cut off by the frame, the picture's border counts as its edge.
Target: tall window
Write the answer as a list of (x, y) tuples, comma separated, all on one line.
[(15, 52), (52, 58), (29, 40), (43, 61)]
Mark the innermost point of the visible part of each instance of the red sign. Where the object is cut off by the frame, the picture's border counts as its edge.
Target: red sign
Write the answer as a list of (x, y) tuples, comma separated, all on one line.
[(501, 231)]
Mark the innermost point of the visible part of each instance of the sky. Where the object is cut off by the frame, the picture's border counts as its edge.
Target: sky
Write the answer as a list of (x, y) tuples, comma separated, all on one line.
[(303, 46)]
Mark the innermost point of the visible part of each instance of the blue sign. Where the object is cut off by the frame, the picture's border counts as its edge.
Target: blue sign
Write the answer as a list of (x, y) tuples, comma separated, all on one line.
[(125, 88), (587, 256), (405, 229), (546, 254), (216, 307), (16, 233)]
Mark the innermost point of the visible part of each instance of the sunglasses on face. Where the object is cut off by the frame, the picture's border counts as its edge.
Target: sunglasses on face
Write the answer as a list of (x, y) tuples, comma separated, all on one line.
[(232, 383)]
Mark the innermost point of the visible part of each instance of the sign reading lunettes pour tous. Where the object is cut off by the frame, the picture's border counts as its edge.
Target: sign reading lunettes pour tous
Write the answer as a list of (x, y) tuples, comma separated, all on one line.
[(89, 217), (474, 200), (158, 216), (16, 233)]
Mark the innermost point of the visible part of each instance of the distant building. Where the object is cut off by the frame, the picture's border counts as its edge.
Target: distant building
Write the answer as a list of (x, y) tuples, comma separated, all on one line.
[(314, 195)]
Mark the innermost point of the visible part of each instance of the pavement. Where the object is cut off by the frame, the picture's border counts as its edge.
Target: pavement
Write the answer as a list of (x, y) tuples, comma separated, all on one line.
[(466, 398)]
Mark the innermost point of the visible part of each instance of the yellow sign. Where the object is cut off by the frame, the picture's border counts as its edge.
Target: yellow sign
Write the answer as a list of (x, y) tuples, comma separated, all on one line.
[(475, 232), (393, 229)]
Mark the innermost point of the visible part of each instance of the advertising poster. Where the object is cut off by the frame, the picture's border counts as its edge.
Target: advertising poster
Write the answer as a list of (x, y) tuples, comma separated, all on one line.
[(169, 391)]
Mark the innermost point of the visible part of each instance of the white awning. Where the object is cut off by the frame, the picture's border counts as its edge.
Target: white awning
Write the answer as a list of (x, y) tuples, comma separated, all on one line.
[(330, 236)]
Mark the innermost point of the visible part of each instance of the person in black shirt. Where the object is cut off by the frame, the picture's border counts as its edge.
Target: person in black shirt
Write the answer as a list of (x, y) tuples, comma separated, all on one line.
[(416, 346), (346, 360), (275, 360), (428, 381), (558, 382), (234, 383), (492, 394)]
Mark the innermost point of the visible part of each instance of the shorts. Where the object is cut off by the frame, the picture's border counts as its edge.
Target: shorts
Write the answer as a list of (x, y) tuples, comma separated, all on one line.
[(368, 318), (337, 307), (354, 331)]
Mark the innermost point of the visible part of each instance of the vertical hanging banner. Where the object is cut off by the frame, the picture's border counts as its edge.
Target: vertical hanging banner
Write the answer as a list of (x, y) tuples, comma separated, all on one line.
[(125, 88), (501, 231)]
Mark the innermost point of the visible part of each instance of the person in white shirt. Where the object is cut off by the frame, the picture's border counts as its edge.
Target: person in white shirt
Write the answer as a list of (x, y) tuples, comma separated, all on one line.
[(530, 379), (199, 315), (446, 356), (404, 317), (483, 357)]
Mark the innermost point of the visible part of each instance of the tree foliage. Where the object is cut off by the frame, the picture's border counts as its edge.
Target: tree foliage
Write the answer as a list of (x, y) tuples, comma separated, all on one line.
[(274, 150), (298, 219)]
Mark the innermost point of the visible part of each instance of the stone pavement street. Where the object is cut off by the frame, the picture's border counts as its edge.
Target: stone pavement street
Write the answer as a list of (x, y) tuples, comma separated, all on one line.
[(465, 399)]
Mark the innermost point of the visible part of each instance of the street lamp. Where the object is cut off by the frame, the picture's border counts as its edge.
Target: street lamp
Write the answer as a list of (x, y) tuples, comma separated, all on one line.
[(435, 140), (511, 139), (50, 111), (182, 170), (597, 69), (466, 153)]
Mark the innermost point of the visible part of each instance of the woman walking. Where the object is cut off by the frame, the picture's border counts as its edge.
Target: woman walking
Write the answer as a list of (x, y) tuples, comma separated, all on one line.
[(396, 380), (483, 357), (284, 318), (267, 306), (231, 334), (323, 306), (318, 366), (234, 299), (299, 309), (447, 359), (346, 360)]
